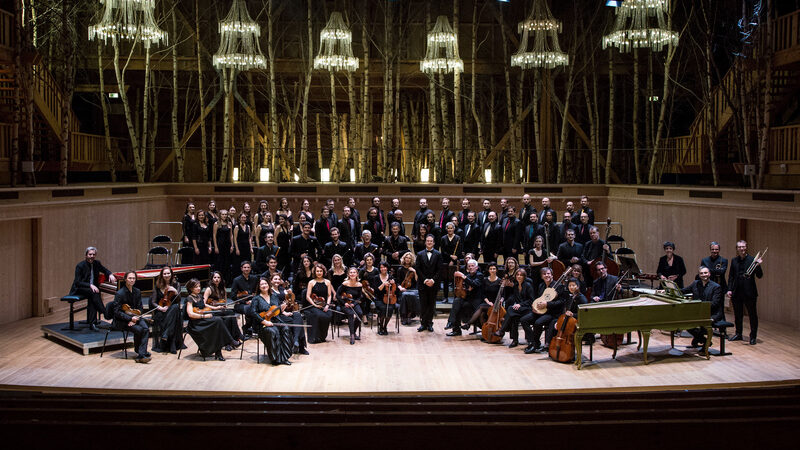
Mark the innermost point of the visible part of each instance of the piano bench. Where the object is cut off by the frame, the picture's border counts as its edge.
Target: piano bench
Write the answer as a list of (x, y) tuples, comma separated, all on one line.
[(72, 299), (722, 326)]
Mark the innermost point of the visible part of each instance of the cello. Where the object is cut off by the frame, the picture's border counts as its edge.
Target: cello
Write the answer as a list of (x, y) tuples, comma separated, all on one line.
[(496, 314), (611, 265), (562, 346)]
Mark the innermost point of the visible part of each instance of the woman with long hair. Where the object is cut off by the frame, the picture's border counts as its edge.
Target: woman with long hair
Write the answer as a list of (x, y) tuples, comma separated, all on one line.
[(383, 290), (211, 212), (408, 297), (167, 321), (491, 286), (350, 297), (367, 276), (263, 209), (188, 225), (242, 243), (207, 331), (277, 339), (283, 239), (201, 239), (223, 244), (214, 298), (264, 226), (319, 294), (284, 210)]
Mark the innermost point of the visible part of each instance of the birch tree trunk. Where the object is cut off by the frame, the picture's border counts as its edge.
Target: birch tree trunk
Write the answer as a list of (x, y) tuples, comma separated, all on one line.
[(516, 157), (507, 176), (436, 175), (214, 141), (366, 118), (458, 170), (537, 137), (273, 97), (665, 99), (711, 119), (636, 157), (306, 91), (138, 161), (610, 148), (570, 84), (764, 125), (227, 79), (175, 141), (473, 106), (106, 127), (203, 148), (334, 167), (319, 143)]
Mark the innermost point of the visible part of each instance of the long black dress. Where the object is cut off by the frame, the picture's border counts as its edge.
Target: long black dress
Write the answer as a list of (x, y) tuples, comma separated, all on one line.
[(228, 317), (296, 318), (224, 246), (243, 243), (202, 235), (352, 321), (168, 325), (318, 319), (188, 226), (368, 277), (210, 334), (385, 311), (277, 339), (409, 299), (284, 257)]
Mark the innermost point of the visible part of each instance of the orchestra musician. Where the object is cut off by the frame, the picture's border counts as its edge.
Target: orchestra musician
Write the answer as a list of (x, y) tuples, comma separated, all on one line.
[(215, 294), (462, 216), (491, 238), (526, 211), (570, 252), (491, 286), (483, 216), (545, 209), (396, 245), (670, 266), (319, 314), (365, 247), (408, 298), (208, 331), (520, 302), (603, 284), (708, 291), (511, 234), (130, 295), (574, 215), (243, 285), (265, 251), (383, 285), (452, 249), (390, 216), (742, 290), (336, 247), (421, 214), (531, 231), (277, 297), (86, 284), (167, 321), (350, 296), (586, 209), (473, 284), (446, 215), (351, 202), (277, 339), (349, 227), (471, 234), (717, 265), (538, 257), (534, 323), (375, 225), (583, 228), (428, 263), (367, 276)]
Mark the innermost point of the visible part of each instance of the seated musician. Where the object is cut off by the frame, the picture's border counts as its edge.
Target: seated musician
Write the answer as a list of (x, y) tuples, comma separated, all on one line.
[(491, 287), (466, 307), (132, 297), (277, 297), (208, 331), (366, 246), (534, 323), (350, 297), (87, 285), (319, 315), (215, 299), (367, 277), (408, 297), (272, 268), (708, 291), (243, 285), (384, 283), (603, 285), (167, 321), (520, 301), (574, 298), (277, 339), (395, 245)]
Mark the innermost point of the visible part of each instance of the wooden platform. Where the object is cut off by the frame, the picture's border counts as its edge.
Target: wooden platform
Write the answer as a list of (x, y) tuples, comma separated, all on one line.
[(410, 363), (82, 337)]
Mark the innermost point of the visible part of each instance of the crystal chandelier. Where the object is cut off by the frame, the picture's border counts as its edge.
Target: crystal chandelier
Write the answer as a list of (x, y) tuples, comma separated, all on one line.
[(441, 55), (542, 29), (336, 46), (632, 27), (128, 20), (239, 48)]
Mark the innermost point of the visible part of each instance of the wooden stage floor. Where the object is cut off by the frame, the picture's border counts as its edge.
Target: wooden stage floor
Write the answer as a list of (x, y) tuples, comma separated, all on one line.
[(408, 363)]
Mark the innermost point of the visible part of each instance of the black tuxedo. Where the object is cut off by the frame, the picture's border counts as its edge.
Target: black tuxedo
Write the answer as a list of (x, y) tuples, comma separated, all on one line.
[(262, 253), (428, 268), (744, 292), (87, 275)]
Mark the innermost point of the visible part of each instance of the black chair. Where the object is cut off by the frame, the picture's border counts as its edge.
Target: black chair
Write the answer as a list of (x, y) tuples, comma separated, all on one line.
[(155, 252), (72, 299), (162, 239), (722, 326), (180, 255), (124, 340), (184, 332)]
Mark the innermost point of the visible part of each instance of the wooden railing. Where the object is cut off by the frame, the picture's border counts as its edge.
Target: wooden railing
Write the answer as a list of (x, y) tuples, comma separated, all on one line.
[(6, 30), (787, 32), (784, 144), (47, 96), (5, 141)]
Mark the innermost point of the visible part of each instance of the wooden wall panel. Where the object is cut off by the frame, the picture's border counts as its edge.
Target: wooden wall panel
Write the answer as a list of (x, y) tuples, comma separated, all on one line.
[(16, 248)]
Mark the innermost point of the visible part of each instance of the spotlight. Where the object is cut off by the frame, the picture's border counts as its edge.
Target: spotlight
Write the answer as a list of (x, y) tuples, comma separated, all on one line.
[(235, 174), (424, 175), (487, 175), (325, 175), (264, 174)]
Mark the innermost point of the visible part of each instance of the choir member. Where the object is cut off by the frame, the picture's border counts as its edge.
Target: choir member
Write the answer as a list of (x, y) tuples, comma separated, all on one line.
[(188, 224), (471, 234), (526, 210), (322, 227), (582, 231), (264, 227), (304, 245), (422, 213), (375, 226), (483, 215), (349, 227), (267, 249), (511, 234), (364, 248), (446, 215), (201, 239), (223, 244), (336, 247), (283, 239), (395, 245), (284, 210), (586, 209), (545, 209), (491, 239), (242, 242)]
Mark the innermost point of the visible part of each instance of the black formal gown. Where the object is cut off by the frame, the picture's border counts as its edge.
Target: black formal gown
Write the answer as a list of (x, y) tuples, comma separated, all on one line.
[(202, 235), (223, 264), (316, 318), (385, 310), (298, 337), (277, 339), (408, 300), (210, 334), (168, 325), (243, 242), (351, 313)]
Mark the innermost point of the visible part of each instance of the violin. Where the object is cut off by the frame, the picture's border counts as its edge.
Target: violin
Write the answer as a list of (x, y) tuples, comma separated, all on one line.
[(347, 298), (273, 311), (391, 295), (130, 311), (496, 315), (368, 291), (291, 303), (408, 279), (318, 301), (168, 298), (241, 294)]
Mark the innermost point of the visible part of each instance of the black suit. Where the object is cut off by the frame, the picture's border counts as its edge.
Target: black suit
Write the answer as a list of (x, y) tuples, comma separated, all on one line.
[(361, 250), (322, 231), (462, 217), (491, 241), (589, 212), (393, 244), (534, 324), (529, 236), (566, 252), (525, 214), (602, 288), (262, 253), (465, 307), (711, 292), (445, 216), (428, 268), (718, 268), (301, 245), (349, 231), (336, 248), (472, 238), (87, 275), (511, 235), (140, 330), (744, 292), (482, 217), (543, 213), (582, 233)]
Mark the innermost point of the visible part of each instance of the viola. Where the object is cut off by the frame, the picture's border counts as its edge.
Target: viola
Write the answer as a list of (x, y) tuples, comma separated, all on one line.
[(291, 303), (273, 311), (318, 301), (368, 291), (347, 298), (496, 315), (408, 279)]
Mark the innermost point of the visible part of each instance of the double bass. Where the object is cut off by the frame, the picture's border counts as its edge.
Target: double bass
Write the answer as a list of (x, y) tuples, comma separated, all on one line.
[(611, 265), (496, 314)]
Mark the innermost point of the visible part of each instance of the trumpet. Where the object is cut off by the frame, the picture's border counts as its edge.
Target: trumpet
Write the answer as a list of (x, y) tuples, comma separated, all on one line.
[(718, 266), (755, 262)]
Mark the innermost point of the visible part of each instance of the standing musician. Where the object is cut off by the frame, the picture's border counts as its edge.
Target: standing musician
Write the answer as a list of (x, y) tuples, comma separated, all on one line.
[(446, 215), (349, 227), (462, 216), (574, 215), (265, 251), (428, 270), (242, 240), (277, 339), (473, 284), (167, 321), (283, 238), (483, 216), (336, 247), (421, 214), (491, 286), (351, 202), (742, 290), (322, 227), (526, 210), (501, 217), (670, 266), (491, 239), (586, 209), (717, 265), (87, 285), (708, 291), (223, 243), (582, 230), (350, 296), (319, 313), (534, 323), (595, 247), (188, 224), (304, 245), (213, 295), (570, 252), (131, 296), (452, 249), (520, 302), (602, 286), (375, 225), (538, 258), (408, 297), (384, 284), (207, 331), (471, 234), (201, 239), (244, 285), (277, 297), (395, 246), (565, 225), (390, 216), (365, 247), (511, 234)]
